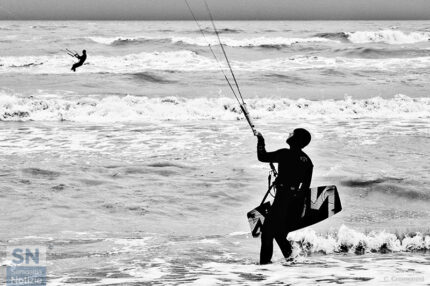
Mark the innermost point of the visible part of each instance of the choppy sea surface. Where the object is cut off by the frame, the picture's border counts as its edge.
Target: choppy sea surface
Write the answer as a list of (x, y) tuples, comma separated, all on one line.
[(139, 168)]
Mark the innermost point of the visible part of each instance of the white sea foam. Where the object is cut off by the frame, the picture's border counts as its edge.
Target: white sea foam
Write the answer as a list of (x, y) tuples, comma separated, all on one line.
[(348, 270), (110, 40), (250, 42), (143, 109), (212, 40), (132, 63), (350, 240), (393, 37), (113, 40), (186, 61), (388, 36)]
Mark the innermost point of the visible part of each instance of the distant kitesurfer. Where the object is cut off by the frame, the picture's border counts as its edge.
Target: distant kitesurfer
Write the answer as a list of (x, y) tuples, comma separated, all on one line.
[(81, 60), (294, 176)]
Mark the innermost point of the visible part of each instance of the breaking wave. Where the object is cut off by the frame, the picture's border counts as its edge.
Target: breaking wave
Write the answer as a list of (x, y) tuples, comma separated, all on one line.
[(263, 42), (220, 31), (121, 41), (378, 53), (128, 64), (185, 60), (341, 36), (391, 36), (394, 37), (143, 109), (351, 241), (212, 40)]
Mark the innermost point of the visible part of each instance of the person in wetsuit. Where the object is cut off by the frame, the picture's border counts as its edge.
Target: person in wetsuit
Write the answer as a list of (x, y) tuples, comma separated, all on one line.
[(81, 60), (294, 176)]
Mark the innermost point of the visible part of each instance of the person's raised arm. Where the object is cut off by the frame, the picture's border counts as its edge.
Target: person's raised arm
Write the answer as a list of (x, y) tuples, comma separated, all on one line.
[(262, 154)]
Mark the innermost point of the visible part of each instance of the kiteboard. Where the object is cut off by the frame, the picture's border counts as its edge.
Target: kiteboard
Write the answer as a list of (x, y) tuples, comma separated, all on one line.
[(318, 204)]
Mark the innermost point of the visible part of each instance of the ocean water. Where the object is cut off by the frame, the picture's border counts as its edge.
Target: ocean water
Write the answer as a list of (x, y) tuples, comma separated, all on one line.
[(139, 168)]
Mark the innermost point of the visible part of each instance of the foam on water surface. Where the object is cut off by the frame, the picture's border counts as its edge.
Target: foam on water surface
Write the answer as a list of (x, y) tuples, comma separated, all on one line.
[(179, 260), (213, 41), (143, 109), (187, 61), (394, 37)]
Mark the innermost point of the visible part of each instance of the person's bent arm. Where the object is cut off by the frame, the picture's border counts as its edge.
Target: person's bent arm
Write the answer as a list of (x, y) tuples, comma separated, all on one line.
[(262, 154)]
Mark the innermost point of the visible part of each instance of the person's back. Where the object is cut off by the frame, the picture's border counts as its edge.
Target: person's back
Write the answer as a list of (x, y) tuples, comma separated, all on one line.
[(82, 58), (294, 176), (294, 167)]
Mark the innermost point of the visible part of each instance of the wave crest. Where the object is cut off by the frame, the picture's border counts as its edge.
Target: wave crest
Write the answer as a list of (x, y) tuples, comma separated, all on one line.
[(348, 240), (121, 41), (394, 37), (340, 36), (220, 31), (212, 40), (262, 42), (185, 61), (389, 36), (143, 109)]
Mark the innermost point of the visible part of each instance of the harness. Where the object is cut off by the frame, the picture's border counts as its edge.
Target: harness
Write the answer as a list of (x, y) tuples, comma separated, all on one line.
[(273, 172), (276, 186)]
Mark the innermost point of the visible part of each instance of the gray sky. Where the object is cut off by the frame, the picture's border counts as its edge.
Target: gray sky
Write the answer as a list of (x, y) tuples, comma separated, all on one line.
[(222, 9)]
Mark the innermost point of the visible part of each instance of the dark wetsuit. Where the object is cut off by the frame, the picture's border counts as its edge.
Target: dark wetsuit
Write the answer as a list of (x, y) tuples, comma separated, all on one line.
[(81, 61), (294, 172)]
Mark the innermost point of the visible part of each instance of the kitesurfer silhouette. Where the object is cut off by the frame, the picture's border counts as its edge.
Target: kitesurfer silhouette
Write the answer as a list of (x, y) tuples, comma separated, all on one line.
[(294, 176), (81, 60)]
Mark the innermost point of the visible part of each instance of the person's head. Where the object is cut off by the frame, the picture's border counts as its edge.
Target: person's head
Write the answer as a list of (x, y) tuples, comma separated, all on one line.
[(84, 52), (299, 138)]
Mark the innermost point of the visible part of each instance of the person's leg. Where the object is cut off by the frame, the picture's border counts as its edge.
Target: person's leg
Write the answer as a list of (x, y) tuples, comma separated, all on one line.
[(286, 219), (284, 244), (76, 66), (266, 250)]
